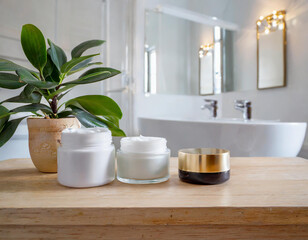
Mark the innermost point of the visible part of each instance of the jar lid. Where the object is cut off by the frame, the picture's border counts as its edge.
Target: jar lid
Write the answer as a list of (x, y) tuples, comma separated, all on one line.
[(204, 160), (86, 137), (143, 144)]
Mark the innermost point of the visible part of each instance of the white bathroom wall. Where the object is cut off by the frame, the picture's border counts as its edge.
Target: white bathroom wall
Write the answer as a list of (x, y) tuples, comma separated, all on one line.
[(286, 104), (67, 23)]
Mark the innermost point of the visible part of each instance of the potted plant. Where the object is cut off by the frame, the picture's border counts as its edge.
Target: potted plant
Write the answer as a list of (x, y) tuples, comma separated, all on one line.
[(43, 90)]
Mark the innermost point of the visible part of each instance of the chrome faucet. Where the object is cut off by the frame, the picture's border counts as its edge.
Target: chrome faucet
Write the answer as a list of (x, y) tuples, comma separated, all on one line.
[(245, 107), (211, 105)]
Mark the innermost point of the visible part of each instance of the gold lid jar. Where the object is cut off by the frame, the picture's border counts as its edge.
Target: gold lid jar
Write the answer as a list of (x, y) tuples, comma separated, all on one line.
[(204, 165)]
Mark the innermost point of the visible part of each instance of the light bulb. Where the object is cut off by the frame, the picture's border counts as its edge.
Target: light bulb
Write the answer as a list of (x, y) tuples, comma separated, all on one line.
[(259, 23), (280, 26), (280, 16), (261, 18), (267, 31)]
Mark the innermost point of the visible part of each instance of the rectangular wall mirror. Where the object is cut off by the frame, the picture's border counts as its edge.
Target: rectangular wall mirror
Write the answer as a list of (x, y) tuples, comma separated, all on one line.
[(186, 56), (271, 50)]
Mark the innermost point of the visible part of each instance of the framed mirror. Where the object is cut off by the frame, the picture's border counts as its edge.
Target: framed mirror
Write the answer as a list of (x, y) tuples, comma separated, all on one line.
[(271, 51)]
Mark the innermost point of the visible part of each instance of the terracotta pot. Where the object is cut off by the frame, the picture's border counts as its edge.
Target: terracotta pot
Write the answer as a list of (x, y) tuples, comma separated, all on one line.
[(44, 139)]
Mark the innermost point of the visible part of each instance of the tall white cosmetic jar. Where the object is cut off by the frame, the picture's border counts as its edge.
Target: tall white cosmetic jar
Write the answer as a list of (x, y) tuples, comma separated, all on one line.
[(86, 157), (143, 160)]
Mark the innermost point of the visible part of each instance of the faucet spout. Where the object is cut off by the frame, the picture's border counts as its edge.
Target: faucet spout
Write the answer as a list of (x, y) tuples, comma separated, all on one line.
[(245, 107), (211, 105)]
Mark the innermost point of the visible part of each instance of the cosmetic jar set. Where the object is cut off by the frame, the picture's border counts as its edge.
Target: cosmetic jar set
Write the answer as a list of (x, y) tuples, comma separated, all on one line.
[(86, 158)]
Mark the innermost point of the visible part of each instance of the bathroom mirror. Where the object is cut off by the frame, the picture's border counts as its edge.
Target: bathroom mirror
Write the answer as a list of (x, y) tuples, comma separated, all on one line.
[(185, 57), (271, 50)]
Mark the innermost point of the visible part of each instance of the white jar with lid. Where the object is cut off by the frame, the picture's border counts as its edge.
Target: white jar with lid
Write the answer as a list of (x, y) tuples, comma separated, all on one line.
[(143, 160), (86, 157)]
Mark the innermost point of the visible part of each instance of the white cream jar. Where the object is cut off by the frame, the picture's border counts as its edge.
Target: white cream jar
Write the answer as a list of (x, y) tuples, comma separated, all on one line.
[(86, 157), (143, 160)]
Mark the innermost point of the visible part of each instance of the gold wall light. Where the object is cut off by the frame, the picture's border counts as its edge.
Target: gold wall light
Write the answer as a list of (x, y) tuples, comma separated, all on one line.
[(205, 49), (272, 22)]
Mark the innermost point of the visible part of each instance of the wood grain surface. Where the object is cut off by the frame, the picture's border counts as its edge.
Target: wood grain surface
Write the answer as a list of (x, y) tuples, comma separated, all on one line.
[(265, 198)]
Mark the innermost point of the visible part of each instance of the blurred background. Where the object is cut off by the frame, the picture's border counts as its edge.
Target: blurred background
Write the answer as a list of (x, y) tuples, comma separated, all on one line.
[(157, 45)]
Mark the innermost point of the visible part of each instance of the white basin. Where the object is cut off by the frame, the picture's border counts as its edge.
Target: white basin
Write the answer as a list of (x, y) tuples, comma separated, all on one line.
[(253, 138)]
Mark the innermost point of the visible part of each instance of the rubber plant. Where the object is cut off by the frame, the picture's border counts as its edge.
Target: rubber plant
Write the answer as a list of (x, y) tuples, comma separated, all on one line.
[(44, 88)]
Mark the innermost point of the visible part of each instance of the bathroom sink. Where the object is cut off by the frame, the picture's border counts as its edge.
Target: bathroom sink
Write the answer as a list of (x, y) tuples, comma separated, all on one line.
[(252, 138)]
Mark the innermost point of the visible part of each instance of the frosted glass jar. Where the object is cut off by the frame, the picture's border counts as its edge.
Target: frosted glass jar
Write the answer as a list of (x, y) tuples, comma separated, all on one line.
[(143, 160), (86, 157)]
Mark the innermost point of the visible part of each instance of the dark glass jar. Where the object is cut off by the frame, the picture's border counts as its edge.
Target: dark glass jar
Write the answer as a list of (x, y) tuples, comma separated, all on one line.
[(204, 165)]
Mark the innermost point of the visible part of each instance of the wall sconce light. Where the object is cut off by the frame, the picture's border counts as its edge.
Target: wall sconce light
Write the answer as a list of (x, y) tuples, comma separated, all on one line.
[(271, 23), (205, 49)]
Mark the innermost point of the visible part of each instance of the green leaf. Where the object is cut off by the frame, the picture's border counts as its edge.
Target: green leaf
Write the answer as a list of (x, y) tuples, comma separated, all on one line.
[(113, 119), (88, 120), (57, 55), (79, 50), (33, 108), (33, 44), (10, 81), (94, 75), (94, 63), (63, 89), (27, 77), (74, 62), (6, 65), (65, 113), (48, 67), (26, 96), (3, 111), (28, 90), (9, 130), (54, 76), (82, 66), (100, 70), (7, 115), (34, 98), (60, 96), (51, 72), (97, 105)]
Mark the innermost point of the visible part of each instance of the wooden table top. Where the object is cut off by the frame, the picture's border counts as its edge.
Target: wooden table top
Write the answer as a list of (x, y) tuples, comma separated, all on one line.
[(257, 186)]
